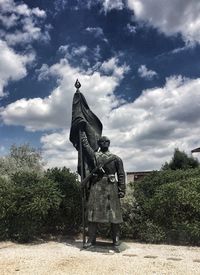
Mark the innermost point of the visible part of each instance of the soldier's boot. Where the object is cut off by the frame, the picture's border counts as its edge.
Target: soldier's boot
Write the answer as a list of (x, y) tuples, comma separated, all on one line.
[(115, 233), (92, 229)]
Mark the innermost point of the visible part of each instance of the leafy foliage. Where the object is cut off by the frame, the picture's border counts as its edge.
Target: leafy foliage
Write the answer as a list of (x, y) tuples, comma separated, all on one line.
[(21, 158), (33, 201), (7, 205), (168, 206), (26, 201), (130, 213), (181, 160), (68, 216), (163, 207)]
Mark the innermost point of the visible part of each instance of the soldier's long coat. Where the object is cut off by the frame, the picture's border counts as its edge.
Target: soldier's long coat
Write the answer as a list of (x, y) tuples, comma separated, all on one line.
[(104, 203)]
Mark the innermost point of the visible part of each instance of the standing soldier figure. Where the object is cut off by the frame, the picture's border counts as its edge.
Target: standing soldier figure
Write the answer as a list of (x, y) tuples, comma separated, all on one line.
[(107, 186)]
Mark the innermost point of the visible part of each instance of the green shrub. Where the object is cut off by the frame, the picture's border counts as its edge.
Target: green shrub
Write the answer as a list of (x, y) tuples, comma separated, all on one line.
[(163, 207), (68, 217), (7, 205), (150, 232), (32, 204), (21, 158), (181, 160), (169, 206), (131, 215), (26, 201)]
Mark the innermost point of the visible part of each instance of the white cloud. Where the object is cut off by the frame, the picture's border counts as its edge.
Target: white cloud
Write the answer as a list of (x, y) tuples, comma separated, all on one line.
[(60, 5), (145, 73), (97, 32), (43, 72), (9, 21), (71, 52), (57, 151), (26, 20), (54, 111), (9, 7), (109, 5), (131, 28), (79, 54), (12, 66), (170, 17), (38, 12), (110, 66), (79, 50), (20, 26), (144, 132), (64, 49), (97, 51)]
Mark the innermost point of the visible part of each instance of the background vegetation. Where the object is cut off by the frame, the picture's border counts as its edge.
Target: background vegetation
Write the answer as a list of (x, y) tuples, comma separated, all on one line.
[(34, 202), (163, 207)]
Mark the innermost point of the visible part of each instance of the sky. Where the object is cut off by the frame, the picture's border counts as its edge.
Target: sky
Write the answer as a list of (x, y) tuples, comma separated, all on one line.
[(138, 62)]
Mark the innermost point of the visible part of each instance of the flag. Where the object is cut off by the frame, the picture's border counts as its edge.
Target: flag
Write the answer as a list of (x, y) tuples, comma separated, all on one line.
[(84, 119)]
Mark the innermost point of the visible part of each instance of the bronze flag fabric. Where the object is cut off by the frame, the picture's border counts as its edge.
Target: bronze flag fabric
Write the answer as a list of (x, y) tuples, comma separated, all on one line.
[(84, 119)]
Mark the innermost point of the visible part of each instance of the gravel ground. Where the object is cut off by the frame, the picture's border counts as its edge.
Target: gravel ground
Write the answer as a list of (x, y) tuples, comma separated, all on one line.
[(67, 257)]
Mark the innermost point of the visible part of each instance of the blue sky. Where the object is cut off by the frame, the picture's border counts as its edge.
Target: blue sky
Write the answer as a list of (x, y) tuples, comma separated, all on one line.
[(138, 62)]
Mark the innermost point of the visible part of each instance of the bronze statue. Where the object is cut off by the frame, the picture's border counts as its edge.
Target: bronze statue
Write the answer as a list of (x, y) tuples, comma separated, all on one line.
[(101, 172), (107, 186)]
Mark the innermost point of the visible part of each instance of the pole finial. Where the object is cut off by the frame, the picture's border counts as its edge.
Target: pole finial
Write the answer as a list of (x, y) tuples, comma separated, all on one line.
[(77, 85)]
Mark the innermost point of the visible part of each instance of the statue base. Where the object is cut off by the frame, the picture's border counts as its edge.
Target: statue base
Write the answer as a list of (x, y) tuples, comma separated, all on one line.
[(107, 248)]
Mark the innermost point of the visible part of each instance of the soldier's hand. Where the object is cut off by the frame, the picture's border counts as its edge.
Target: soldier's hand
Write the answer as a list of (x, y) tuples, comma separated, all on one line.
[(121, 194), (100, 172), (83, 136), (94, 177)]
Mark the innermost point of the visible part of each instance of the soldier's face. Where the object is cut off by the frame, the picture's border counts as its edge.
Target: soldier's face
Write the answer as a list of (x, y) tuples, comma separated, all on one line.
[(104, 144)]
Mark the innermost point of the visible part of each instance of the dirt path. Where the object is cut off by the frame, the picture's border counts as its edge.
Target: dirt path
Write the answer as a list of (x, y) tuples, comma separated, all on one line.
[(68, 258)]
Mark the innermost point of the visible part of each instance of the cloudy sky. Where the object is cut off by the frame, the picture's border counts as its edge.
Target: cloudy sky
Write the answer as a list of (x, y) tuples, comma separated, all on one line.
[(138, 62)]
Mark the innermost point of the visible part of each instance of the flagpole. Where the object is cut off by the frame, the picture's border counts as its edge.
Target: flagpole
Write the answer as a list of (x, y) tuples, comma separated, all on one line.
[(83, 188), (82, 172)]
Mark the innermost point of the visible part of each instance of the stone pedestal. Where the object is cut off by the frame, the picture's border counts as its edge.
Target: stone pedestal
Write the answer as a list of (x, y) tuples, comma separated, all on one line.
[(107, 247)]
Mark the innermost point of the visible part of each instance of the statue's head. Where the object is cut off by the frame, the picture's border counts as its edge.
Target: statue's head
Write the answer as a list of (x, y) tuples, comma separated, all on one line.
[(104, 143)]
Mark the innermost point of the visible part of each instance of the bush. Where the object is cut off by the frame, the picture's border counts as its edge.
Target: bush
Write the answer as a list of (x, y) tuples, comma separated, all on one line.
[(68, 217), (7, 205), (130, 213), (181, 160), (168, 204), (21, 158), (32, 204), (25, 202), (163, 207)]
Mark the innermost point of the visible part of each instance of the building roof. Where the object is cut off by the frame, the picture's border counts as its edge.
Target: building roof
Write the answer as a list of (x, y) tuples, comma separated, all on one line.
[(196, 150), (139, 172)]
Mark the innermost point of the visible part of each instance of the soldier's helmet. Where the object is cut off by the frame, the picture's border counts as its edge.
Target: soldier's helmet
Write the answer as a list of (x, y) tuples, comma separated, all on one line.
[(103, 139)]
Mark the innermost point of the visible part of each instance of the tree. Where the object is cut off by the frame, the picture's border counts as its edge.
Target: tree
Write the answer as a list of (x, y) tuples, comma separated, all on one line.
[(21, 158), (180, 160), (27, 200), (167, 207), (68, 218)]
